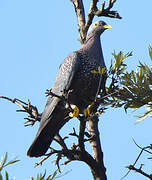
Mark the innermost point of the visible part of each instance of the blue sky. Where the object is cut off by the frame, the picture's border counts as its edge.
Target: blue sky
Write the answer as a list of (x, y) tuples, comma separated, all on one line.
[(35, 37)]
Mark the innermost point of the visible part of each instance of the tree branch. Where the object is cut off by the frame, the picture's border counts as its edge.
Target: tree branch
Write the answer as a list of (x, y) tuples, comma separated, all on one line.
[(81, 134), (107, 11), (131, 167), (92, 127), (79, 10), (91, 14), (32, 111), (139, 170), (83, 25)]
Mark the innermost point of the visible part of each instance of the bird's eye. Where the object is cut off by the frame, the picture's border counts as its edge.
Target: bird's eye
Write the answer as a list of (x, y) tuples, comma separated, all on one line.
[(96, 24)]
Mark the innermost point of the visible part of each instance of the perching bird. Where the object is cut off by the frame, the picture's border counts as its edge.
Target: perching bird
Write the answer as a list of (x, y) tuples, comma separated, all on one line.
[(75, 74)]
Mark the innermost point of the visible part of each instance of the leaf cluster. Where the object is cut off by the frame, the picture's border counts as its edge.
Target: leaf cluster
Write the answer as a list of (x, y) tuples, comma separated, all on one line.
[(43, 176), (130, 89), (114, 74), (4, 164)]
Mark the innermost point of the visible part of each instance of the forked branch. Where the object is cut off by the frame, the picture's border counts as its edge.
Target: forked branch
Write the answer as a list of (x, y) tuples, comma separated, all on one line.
[(147, 149), (32, 111), (85, 22)]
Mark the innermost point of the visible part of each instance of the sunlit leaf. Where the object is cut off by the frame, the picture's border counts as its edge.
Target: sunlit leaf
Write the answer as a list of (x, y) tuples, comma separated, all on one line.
[(141, 74), (11, 162), (3, 161), (138, 77), (1, 178), (6, 176), (94, 72), (150, 51), (54, 174), (133, 76)]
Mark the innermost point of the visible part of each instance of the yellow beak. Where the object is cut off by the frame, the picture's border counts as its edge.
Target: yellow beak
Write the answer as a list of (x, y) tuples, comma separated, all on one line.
[(107, 27)]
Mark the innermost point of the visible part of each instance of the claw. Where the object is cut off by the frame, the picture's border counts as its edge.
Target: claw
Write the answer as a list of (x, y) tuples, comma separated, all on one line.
[(87, 111), (75, 112)]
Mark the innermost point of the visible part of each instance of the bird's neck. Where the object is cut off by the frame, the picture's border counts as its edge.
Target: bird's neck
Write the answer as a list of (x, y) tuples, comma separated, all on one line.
[(93, 48), (92, 42)]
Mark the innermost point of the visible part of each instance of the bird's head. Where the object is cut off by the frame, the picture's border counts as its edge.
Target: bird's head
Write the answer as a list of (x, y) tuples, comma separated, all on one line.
[(97, 28)]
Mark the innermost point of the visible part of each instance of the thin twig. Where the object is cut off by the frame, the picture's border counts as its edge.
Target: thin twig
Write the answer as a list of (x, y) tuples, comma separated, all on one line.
[(107, 11), (131, 167), (28, 108), (53, 151), (74, 133), (93, 11), (143, 148)]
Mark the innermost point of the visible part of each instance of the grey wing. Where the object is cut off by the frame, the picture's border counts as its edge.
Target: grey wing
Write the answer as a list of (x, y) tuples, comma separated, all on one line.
[(62, 82), (66, 72)]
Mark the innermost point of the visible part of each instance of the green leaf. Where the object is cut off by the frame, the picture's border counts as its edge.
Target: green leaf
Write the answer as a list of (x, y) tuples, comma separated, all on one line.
[(141, 74), (145, 114), (150, 51), (128, 55), (3, 161), (11, 162), (54, 174), (138, 77), (1, 178), (133, 76), (111, 63), (6, 176)]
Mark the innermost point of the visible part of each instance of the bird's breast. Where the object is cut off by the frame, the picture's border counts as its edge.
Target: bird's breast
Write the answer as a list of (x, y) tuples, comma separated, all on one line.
[(85, 84)]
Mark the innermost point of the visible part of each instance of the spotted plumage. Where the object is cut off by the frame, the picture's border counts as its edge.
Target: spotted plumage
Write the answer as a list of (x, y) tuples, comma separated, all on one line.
[(75, 74)]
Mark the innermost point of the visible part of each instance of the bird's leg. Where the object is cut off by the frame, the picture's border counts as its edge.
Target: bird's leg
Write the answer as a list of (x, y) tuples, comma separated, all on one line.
[(75, 112), (87, 111)]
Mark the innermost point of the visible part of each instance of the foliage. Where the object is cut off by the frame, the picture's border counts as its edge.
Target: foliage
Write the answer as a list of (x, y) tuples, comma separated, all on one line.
[(43, 176), (55, 175), (130, 89), (3, 164), (114, 75)]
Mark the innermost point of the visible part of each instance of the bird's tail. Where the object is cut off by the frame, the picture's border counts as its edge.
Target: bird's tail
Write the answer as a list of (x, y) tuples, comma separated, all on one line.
[(47, 130)]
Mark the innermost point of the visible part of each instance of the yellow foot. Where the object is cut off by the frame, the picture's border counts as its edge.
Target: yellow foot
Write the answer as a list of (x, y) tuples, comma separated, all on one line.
[(75, 112), (87, 111)]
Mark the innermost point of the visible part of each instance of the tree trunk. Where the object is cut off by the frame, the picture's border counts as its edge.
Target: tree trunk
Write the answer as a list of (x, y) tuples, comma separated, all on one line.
[(99, 173)]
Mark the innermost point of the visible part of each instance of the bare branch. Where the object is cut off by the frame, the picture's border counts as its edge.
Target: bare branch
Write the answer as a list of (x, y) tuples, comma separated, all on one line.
[(33, 114), (131, 167), (96, 147), (79, 10), (59, 157), (53, 151), (60, 141), (93, 11), (107, 11), (81, 134), (91, 14), (144, 148), (74, 133), (83, 25)]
